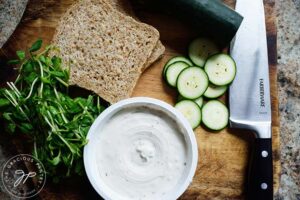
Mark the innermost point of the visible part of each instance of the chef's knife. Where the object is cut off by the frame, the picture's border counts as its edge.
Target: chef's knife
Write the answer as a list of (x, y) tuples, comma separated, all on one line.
[(249, 97)]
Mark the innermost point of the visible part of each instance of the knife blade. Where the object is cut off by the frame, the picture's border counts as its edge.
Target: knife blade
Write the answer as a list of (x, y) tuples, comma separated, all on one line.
[(249, 95)]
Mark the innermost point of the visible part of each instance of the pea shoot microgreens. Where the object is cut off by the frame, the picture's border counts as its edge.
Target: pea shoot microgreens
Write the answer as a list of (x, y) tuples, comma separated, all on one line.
[(38, 105)]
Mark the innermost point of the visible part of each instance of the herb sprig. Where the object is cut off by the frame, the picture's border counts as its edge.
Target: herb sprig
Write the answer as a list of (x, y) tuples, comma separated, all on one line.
[(38, 105)]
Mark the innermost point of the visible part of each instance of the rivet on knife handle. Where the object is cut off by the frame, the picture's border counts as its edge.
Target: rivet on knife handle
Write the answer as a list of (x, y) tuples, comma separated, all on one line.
[(260, 184)]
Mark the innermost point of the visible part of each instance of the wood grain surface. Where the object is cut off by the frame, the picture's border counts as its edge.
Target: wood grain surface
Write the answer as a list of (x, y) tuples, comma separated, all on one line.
[(223, 156)]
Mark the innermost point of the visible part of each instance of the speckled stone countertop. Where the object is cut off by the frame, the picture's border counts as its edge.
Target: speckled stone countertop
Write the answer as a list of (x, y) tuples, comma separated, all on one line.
[(11, 12), (288, 25)]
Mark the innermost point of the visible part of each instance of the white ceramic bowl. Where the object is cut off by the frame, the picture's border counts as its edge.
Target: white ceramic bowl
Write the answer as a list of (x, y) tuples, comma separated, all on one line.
[(90, 154)]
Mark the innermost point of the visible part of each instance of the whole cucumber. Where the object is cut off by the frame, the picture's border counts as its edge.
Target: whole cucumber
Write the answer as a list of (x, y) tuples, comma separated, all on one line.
[(211, 17)]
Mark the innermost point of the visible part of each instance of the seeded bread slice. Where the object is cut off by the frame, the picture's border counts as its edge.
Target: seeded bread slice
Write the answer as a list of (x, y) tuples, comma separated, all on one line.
[(105, 49), (157, 53), (124, 7)]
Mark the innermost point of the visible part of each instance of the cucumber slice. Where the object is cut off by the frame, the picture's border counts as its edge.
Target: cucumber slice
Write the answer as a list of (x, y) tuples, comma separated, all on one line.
[(173, 71), (200, 49), (198, 101), (213, 91), (192, 82), (176, 59), (215, 115), (221, 69), (191, 112)]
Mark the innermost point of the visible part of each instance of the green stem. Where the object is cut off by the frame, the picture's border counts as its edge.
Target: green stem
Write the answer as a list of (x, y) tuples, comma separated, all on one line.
[(98, 104), (31, 88), (18, 78), (13, 101), (56, 94), (62, 82), (48, 122), (35, 148), (14, 88), (62, 115), (20, 68), (9, 96), (85, 111), (45, 51), (42, 75), (66, 143)]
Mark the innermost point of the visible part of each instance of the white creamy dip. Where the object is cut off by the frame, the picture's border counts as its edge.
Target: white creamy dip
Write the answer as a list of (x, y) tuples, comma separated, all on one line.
[(141, 154)]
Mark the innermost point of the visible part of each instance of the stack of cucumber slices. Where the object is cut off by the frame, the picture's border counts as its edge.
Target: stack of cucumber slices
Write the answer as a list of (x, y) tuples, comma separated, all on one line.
[(206, 74)]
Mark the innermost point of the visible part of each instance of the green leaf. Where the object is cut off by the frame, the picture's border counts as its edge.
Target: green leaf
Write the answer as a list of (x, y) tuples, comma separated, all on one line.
[(30, 78), (11, 127), (19, 116), (56, 160), (85, 129), (67, 74), (2, 91), (7, 116), (73, 148), (79, 167), (72, 107), (45, 80), (56, 62), (4, 102), (26, 128), (72, 125), (85, 120), (81, 101), (27, 67), (66, 158), (57, 73), (21, 54), (48, 61), (13, 62), (36, 46), (42, 58), (48, 92)]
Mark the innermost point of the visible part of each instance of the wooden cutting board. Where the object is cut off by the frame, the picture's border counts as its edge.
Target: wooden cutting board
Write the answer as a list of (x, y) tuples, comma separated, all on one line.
[(223, 156)]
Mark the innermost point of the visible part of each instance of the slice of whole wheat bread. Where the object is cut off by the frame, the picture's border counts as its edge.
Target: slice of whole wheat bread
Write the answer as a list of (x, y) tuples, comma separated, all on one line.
[(105, 49), (157, 53), (124, 7)]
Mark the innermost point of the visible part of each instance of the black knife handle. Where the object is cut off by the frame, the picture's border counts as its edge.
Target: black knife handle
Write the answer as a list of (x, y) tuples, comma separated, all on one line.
[(260, 185)]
